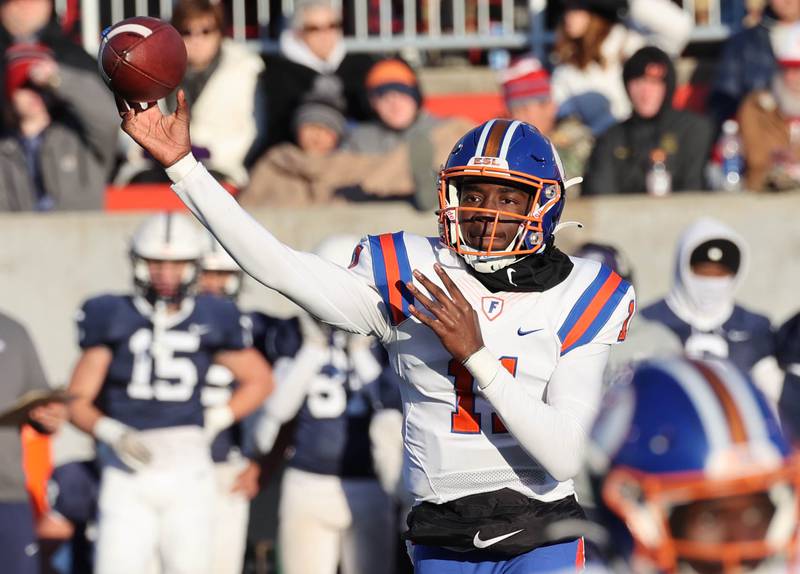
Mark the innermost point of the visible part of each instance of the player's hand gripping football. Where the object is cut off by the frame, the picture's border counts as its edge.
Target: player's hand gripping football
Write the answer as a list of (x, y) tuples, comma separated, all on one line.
[(454, 320), (166, 138)]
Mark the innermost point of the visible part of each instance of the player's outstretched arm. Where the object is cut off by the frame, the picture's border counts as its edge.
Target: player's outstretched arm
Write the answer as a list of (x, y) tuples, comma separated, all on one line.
[(330, 293)]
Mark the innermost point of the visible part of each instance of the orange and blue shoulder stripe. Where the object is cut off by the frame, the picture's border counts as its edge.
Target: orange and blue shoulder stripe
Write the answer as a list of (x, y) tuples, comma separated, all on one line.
[(392, 270), (592, 310)]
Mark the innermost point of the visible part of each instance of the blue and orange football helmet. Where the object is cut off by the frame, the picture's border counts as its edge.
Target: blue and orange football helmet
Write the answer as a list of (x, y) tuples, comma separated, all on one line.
[(512, 152), (691, 473)]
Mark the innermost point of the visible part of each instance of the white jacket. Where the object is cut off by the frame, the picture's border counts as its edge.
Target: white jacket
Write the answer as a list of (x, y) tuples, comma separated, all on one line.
[(651, 22), (225, 118)]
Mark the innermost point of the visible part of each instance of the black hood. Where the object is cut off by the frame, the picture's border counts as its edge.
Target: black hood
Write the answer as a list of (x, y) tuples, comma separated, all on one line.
[(637, 65)]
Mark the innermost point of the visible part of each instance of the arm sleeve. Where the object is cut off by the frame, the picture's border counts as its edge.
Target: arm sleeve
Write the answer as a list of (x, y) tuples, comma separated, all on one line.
[(95, 110), (554, 430), (332, 294), (600, 173)]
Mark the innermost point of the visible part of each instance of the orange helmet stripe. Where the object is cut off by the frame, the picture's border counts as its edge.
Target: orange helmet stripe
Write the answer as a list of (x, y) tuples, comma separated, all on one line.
[(492, 147), (732, 414)]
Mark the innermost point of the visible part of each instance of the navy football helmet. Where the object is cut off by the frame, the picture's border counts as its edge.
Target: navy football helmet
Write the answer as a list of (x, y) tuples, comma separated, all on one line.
[(506, 151), (692, 474)]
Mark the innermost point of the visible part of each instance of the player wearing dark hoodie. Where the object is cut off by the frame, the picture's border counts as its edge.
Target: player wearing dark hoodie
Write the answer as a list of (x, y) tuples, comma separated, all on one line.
[(621, 157)]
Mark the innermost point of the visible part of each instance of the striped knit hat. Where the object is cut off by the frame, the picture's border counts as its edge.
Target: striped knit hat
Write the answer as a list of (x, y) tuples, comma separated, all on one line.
[(526, 79)]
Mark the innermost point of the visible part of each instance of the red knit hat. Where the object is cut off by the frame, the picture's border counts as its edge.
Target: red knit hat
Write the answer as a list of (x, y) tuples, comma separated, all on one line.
[(524, 80), (20, 58)]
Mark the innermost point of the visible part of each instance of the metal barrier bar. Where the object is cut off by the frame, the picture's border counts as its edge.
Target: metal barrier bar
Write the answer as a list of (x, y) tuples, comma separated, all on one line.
[(434, 25)]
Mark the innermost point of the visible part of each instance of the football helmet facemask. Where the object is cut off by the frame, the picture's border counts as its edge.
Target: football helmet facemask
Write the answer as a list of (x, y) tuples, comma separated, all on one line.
[(510, 152), (691, 473), (165, 237)]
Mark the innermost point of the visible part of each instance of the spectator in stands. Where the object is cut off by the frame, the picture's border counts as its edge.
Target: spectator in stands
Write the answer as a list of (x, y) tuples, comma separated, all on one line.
[(313, 170), (748, 62), (312, 47), (22, 372), (395, 96), (34, 21), (621, 158), (701, 307), (770, 123), (528, 97), (221, 87), (592, 45), (788, 343), (59, 151)]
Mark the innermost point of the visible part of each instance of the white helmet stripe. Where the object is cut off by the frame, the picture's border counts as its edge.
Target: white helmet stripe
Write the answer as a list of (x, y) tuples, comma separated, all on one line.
[(705, 402), (507, 139), (482, 140)]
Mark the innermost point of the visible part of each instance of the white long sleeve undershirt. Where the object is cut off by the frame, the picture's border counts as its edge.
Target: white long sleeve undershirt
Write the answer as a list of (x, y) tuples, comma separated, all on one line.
[(327, 291)]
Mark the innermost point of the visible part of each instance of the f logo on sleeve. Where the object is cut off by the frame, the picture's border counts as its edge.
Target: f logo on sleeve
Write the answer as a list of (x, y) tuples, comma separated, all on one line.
[(492, 307)]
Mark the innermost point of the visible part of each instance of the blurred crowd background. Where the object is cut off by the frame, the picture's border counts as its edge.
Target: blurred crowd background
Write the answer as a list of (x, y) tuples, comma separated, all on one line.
[(326, 117)]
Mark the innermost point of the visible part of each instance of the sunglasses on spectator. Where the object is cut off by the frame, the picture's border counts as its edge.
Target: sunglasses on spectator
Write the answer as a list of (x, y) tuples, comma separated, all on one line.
[(199, 32), (322, 28)]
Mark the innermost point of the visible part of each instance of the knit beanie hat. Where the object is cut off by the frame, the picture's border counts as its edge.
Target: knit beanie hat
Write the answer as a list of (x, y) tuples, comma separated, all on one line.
[(20, 59), (393, 75), (525, 80), (323, 105)]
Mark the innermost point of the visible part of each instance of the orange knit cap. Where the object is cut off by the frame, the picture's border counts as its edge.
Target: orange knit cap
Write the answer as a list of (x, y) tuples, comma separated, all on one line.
[(391, 72)]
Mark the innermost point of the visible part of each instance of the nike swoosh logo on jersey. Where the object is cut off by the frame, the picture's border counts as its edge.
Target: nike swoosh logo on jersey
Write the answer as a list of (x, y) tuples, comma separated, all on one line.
[(522, 333), (486, 543)]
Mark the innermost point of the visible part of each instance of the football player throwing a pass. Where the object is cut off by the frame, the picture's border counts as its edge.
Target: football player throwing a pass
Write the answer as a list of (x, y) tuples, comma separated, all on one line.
[(138, 383), (501, 338)]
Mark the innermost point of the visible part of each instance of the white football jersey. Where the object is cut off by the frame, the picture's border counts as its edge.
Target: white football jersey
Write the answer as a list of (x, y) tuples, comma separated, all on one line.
[(455, 444)]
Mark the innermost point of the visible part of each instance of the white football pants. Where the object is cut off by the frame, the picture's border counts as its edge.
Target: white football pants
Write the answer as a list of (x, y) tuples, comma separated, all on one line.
[(231, 513), (158, 518), (325, 521)]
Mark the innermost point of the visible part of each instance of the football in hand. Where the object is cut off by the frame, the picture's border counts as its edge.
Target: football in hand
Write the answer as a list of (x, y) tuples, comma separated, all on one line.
[(142, 59)]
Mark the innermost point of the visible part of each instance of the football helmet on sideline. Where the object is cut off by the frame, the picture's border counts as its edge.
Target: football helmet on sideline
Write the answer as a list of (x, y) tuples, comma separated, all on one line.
[(692, 474)]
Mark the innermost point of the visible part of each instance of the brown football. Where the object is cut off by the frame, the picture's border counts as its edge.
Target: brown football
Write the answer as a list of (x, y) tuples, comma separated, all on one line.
[(142, 59)]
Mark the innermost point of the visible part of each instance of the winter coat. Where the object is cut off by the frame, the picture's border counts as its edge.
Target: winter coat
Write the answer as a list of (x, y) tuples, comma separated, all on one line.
[(227, 116), (286, 176), (76, 153), (429, 139), (765, 135), (747, 64)]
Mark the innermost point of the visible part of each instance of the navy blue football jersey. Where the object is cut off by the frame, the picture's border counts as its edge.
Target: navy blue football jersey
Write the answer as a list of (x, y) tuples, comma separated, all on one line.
[(156, 375), (744, 339), (332, 427)]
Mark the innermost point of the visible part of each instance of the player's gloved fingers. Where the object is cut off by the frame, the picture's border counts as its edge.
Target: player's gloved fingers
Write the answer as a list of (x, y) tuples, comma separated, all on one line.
[(133, 452), (123, 107)]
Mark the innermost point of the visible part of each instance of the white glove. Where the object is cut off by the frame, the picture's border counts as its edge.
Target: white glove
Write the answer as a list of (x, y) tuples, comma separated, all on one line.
[(124, 440), (215, 420)]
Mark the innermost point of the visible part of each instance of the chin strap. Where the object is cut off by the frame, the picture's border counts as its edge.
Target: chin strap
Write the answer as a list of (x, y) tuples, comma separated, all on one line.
[(567, 225)]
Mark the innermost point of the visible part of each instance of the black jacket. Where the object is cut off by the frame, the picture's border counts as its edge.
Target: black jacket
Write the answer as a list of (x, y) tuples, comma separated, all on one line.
[(286, 83), (620, 159)]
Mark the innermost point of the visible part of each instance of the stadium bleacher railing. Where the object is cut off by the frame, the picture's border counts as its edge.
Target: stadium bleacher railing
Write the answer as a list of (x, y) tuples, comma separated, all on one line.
[(394, 25)]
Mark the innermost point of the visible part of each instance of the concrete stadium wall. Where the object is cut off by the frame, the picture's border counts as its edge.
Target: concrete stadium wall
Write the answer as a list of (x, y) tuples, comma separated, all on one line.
[(49, 263)]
